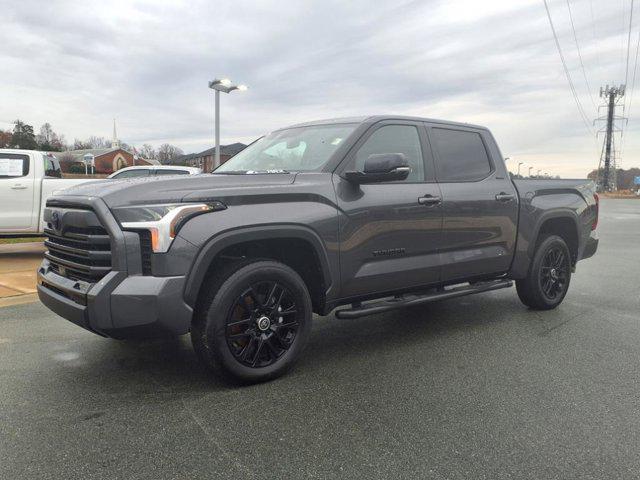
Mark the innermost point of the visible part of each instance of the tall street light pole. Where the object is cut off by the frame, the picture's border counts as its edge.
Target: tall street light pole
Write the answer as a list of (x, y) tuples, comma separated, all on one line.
[(226, 86), (530, 168), (519, 165)]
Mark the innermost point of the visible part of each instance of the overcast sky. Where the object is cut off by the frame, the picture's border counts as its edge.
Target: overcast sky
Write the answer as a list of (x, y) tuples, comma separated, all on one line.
[(146, 63)]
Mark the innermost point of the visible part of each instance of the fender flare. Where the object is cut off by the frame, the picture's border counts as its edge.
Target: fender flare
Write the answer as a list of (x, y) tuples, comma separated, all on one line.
[(562, 214), (224, 239)]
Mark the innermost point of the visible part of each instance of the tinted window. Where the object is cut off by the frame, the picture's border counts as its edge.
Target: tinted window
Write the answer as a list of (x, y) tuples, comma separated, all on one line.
[(394, 139), (461, 156), (132, 173), (13, 165), (171, 172), (51, 167)]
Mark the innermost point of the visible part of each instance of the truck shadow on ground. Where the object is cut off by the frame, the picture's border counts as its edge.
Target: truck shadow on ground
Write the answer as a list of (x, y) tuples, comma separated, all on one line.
[(171, 365)]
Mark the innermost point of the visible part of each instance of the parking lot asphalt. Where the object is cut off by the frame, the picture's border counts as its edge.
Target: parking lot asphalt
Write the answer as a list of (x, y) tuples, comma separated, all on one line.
[(478, 387)]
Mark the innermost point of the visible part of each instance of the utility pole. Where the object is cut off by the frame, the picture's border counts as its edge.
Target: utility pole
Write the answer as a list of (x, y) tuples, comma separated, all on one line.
[(607, 166)]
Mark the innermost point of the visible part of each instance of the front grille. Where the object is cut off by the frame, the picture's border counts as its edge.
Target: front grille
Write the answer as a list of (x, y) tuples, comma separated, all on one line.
[(80, 249)]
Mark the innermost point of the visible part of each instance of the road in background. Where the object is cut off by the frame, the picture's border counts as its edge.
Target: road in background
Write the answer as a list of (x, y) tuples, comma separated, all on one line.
[(479, 387)]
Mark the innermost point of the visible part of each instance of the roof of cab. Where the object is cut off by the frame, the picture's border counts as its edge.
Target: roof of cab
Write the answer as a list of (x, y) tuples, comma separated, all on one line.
[(377, 118)]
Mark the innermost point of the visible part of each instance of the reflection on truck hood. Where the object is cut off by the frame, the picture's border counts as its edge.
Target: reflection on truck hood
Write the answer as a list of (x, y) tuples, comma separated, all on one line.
[(161, 189)]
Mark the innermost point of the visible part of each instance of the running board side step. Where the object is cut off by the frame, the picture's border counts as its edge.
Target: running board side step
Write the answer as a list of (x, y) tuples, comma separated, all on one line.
[(358, 311)]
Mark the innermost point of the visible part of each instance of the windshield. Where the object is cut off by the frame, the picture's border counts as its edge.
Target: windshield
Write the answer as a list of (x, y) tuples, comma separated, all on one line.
[(296, 149)]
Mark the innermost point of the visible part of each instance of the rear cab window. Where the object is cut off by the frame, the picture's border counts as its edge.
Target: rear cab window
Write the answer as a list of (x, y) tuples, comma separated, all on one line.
[(14, 165), (461, 155)]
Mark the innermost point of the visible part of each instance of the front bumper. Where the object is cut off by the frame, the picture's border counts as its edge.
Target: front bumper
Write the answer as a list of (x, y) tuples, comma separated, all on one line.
[(126, 302), (118, 306)]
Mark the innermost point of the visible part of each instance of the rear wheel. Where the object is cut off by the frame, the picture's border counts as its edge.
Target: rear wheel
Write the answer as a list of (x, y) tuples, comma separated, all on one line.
[(253, 321), (549, 275)]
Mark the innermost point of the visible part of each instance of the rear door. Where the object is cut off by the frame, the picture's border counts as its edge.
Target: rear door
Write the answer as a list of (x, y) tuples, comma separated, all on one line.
[(390, 232), (480, 203), (17, 181)]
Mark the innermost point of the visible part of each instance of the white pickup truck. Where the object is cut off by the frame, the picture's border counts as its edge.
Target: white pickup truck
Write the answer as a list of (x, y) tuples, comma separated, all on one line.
[(27, 179)]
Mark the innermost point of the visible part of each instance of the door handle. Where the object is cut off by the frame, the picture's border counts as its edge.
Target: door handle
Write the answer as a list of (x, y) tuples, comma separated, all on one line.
[(18, 187), (429, 200), (504, 197)]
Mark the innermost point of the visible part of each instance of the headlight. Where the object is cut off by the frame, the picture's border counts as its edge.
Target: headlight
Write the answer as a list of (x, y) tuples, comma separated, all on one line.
[(162, 221)]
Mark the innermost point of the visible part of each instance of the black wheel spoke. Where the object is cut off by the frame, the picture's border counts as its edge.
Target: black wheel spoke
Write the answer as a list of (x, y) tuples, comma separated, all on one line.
[(244, 321), (257, 354), (291, 324), (259, 339), (244, 353), (270, 298)]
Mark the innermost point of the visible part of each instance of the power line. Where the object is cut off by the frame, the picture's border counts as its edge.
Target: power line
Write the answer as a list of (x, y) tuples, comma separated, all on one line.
[(584, 73), (633, 84), (566, 71), (626, 73), (593, 33)]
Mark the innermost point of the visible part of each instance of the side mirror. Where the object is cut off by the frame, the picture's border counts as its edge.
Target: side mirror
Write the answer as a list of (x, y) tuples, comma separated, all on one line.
[(381, 167)]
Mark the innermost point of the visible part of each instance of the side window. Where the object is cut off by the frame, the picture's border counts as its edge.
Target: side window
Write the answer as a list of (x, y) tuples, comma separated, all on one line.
[(13, 165), (394, 139), (51, 167), (171, 172), (132, 173), (462, 156)]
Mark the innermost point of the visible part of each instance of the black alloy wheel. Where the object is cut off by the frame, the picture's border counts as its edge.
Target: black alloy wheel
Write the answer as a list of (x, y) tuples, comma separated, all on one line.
[(262, 324), (547, 281), (553, 273), (252, 320)]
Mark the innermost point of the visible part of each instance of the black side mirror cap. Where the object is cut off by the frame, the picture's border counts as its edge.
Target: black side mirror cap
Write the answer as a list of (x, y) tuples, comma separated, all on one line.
[(382, 167)]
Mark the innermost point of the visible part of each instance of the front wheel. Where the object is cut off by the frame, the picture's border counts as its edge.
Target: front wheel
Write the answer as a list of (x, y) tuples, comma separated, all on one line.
[(547, 281), (253, 321)]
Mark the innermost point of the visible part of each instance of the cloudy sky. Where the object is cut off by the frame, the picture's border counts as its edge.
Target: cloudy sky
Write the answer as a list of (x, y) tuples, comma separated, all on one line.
[(146, 63)]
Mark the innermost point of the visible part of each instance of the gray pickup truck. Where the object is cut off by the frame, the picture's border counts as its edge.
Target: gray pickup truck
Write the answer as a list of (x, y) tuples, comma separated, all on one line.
[(363, 215)]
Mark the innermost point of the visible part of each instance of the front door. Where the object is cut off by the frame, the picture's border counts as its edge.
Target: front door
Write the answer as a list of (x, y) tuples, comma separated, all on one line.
[(390, 233), (480, 203), (16, 192)]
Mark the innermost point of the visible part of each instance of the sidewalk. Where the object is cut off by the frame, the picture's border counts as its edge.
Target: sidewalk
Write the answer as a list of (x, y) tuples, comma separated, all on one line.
[(18, 265)]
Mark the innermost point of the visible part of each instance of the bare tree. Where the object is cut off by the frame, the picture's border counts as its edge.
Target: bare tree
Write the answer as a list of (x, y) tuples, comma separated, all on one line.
[(147, 151), (168, 152), (48, 140), (98, 142)]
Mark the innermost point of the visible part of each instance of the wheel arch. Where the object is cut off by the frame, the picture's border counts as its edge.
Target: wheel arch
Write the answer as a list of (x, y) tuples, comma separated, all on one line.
[(564, 224), (221, 242)]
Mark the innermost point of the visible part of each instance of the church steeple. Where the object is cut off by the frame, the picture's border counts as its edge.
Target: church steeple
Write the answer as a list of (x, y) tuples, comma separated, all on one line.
[(115, 143)]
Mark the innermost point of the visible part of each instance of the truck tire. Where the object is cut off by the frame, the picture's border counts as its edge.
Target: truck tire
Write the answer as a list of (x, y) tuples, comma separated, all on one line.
[(547, 281), (252, 321)]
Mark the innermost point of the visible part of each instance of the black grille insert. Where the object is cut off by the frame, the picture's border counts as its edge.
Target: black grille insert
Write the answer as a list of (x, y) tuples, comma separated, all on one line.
[(79, 248)]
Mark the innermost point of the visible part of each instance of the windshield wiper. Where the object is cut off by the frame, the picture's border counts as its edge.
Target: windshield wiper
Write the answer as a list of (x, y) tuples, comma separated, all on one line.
[(251, 172), (258, 172)]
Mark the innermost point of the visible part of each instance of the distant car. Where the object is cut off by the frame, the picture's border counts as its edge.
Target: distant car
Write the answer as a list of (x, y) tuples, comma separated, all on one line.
[(152, 170)]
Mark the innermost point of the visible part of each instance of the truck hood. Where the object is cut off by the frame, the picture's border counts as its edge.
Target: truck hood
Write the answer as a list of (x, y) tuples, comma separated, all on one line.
[(174, 189)]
